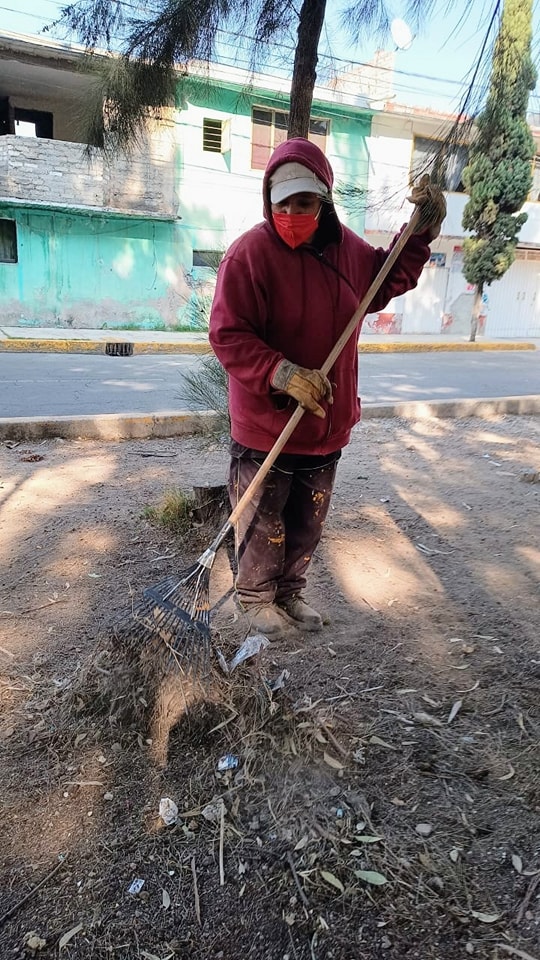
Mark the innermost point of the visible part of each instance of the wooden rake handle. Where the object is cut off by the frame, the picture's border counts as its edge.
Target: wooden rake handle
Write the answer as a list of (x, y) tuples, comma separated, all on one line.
[(290, 427)]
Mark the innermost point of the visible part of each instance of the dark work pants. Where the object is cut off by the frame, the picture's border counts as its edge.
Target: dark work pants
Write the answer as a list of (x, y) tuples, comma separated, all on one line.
[(279, 531)]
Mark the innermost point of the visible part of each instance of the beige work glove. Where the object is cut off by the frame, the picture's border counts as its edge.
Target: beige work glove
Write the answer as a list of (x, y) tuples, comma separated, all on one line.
[(431, 205), (305, 386)]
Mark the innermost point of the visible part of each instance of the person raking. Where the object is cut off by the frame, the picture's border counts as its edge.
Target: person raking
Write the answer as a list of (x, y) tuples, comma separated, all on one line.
[(285, 291)]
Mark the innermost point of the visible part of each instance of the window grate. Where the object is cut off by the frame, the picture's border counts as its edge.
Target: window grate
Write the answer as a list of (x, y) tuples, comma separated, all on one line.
[(8, 241), (212, 133)]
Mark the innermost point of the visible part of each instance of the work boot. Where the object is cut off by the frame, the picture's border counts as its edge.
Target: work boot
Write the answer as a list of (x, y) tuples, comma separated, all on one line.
[(304, 616), (264, 618)]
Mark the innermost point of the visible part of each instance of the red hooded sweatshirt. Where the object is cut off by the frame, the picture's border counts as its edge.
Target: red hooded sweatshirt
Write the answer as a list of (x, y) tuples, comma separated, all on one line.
[(272, 302)]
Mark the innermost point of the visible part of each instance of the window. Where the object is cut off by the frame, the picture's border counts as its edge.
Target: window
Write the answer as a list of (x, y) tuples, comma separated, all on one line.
[(33, 123), (212, 132), (8, 241), (269, 129), (456, 159), (534, 193), (524, 253), (23, 128), (24, 123), (207, 258), (6, 117)]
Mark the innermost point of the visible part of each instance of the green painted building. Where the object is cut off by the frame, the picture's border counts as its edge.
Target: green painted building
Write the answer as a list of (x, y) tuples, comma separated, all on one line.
[(134, 243)]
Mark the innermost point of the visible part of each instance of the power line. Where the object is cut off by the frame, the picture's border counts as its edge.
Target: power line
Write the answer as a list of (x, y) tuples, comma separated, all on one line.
[(232, 59), (270, 98), (22, 13), (402, 87)]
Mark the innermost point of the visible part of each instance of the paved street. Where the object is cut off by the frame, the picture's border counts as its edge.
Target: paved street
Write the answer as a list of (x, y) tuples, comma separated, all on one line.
[(56, 385)]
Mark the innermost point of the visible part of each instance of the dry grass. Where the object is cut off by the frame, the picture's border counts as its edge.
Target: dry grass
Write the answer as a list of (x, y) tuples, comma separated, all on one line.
[(174, 513)]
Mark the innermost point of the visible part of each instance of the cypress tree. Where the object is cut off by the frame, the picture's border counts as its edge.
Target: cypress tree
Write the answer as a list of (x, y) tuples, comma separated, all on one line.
[(498, 177)]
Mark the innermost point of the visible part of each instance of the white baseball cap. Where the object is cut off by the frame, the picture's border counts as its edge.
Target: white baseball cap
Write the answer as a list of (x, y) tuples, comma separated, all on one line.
[(292, 178)]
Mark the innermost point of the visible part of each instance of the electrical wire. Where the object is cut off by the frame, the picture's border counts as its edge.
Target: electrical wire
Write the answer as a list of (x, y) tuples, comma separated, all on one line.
[(231, 40), (263, 98), (454, 95)]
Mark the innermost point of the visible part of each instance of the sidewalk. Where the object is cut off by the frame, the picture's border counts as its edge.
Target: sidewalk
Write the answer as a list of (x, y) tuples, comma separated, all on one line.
[(60, 340)]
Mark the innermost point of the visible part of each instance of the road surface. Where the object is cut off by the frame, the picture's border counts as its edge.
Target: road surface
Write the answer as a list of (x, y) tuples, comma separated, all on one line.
[(34, 384)]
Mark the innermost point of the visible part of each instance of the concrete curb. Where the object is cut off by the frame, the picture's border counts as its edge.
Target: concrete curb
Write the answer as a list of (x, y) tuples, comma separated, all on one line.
[(484, 407), (30, 345), (113, 426), (441, 347), (97, 346), (107, 426)]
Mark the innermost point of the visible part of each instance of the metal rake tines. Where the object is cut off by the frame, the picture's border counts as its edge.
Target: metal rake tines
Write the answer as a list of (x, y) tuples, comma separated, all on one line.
[(176, 612)]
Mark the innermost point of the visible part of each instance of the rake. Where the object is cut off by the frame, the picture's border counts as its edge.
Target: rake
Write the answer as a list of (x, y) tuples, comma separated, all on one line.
[(176, 611)]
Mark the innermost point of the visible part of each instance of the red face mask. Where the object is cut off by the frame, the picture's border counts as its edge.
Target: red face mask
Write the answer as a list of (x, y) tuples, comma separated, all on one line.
[(295, 228)]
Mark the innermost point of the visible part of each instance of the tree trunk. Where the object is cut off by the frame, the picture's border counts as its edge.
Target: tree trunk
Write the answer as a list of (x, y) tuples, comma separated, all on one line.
[(477, 306), (305, 64)]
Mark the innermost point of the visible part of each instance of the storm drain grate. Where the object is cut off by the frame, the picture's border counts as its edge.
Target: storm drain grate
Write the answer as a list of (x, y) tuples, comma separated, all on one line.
[(119, 349)]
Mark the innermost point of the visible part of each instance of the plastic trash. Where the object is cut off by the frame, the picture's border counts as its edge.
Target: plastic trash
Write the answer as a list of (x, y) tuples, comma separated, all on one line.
[(136, 886), (221, 660), (279, 682), (168, 811), (213, 810), (33, 941), (228, 762), (250, 648)]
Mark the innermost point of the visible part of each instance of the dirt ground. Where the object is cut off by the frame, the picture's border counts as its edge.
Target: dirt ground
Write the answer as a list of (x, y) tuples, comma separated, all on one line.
[(386, 800)]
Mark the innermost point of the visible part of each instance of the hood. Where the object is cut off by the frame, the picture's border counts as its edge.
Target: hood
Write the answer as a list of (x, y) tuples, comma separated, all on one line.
[(299, 150)]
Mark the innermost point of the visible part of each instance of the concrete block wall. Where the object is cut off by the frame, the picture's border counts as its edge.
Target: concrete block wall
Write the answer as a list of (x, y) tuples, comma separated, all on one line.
[(57, 172)]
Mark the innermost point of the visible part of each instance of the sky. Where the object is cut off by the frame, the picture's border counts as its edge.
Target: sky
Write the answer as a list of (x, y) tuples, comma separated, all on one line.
[(434, 72)]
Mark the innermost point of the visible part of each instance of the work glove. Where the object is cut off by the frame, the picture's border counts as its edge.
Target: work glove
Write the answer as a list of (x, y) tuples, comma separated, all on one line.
[(305, 386), (431, 205)]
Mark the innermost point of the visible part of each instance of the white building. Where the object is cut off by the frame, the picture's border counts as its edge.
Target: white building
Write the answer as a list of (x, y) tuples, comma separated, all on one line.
[(401, 140)]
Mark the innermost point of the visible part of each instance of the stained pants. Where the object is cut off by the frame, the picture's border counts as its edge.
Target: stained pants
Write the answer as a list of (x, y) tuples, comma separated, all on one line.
[(279, 531)]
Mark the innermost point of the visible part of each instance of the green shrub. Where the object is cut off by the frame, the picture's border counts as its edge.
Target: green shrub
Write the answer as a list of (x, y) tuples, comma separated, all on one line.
[(207, 387), (174, 512)]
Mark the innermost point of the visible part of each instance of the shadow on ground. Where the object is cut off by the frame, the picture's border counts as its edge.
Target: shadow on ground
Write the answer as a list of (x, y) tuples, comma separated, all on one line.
[(386, 800)]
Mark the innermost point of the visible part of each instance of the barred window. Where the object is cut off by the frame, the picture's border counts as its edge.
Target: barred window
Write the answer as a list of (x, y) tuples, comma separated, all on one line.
[(212, 132)]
